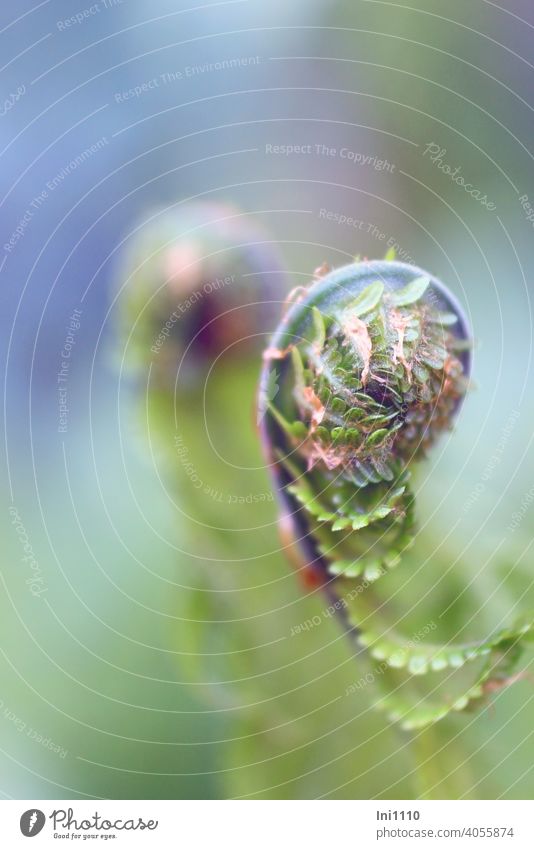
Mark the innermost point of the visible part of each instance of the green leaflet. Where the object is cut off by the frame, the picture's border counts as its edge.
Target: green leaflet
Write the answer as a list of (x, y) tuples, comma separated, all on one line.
[(433, 657)]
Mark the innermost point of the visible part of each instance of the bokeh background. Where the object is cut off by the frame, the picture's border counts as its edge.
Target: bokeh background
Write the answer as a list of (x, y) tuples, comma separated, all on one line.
[(149, 634)]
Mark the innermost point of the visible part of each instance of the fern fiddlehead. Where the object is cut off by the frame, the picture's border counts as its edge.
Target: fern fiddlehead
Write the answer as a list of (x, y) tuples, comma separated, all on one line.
[(367, 368), (196, 279)]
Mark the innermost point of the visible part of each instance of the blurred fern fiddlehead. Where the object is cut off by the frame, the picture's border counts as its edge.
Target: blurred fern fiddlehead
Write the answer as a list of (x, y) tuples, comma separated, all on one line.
[(197, 278), (371, 364)]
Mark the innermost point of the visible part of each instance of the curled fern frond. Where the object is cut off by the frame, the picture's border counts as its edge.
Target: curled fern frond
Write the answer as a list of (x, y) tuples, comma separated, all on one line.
[(371, 364)]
